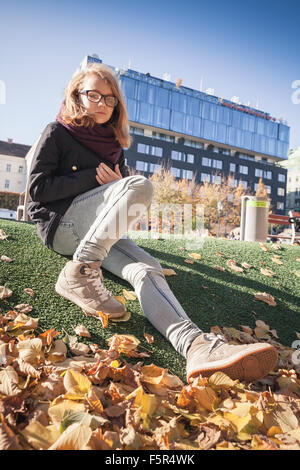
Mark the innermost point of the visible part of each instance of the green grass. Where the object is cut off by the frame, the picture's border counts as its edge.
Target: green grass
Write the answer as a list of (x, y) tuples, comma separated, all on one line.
[(228, 301)]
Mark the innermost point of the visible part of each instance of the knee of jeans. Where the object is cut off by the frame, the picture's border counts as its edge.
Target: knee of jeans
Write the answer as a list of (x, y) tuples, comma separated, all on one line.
[(136, 272), (143, 184)]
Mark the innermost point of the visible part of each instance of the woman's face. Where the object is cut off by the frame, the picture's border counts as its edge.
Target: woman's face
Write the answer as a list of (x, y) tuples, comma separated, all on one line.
[(100, 111)]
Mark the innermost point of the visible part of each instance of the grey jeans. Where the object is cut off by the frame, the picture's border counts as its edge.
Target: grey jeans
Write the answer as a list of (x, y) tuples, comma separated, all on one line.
[(94, 228)]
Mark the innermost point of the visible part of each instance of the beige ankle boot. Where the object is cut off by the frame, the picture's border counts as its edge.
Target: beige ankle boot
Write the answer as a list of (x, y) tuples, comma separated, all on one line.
[(82, 284), (210, 353)]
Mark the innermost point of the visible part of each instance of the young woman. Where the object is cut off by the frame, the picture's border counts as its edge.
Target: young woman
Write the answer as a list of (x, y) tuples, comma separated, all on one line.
[(80, 199)]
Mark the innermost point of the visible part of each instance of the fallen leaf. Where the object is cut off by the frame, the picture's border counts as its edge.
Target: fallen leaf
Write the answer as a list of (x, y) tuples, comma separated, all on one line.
[(220, 268), (3, 235), (125, 317), (6, 259), (75, 437), (149, 338), (129, 295), (264, 297), (103, 318), (81, 330), (29, 291), (267, 272), (246, 265), (169, 272), (195, 255), (277, 260), (5, 292)]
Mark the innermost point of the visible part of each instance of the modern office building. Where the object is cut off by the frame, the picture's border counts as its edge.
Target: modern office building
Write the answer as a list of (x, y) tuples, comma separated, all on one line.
[(293, 180), (193, 132)]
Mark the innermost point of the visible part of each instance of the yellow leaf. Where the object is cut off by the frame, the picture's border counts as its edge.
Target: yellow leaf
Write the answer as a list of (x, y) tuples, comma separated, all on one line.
[(274, 430), (125, 317), (94, 401), (76, 384), (221, 380), (129, 295), (75, 437), (195, 255), (169, 272), (40, 437), (120, 298), (57, 411)]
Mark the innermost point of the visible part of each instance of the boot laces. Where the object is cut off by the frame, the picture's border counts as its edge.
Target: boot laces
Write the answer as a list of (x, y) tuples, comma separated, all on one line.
[(96, 281), (216, 340)]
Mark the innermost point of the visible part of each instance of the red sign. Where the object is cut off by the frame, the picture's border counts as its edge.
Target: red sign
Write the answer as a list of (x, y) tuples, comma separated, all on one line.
[(249, 111)]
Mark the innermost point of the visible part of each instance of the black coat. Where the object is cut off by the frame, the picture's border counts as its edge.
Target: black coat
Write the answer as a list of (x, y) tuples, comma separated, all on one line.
[(61, 169)]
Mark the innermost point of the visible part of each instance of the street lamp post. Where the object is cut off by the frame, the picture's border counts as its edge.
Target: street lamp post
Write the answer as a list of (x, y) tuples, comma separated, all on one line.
[(220, 207)]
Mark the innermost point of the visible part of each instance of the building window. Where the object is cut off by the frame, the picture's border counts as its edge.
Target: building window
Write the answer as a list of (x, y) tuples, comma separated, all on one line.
[(216, 179), (268, 175), (175, 172), (188, 174), (205, 177), (232, 167), (268, 188), (206, 161), (233, 182), (280, 206), (258, 173), (243, 169), (8, 168), (246, 157), (280, 191), (150, 149), (225, 151), (147, 166), (182, 156), (281, 178), (20, 169), (244, 184), (6, 185), (136, 130), (215, 149), (217, 164), (190, 158), (193, 143)]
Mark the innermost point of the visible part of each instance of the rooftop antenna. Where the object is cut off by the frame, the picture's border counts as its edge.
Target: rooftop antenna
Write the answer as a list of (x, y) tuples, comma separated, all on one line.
[(201, 83)]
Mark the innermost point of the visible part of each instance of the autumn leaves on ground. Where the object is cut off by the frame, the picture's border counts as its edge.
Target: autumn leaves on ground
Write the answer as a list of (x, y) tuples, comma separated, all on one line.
[(72, 382)]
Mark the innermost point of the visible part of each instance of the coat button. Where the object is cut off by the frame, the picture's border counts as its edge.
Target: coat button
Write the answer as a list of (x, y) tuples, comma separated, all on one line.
[(74, 168)]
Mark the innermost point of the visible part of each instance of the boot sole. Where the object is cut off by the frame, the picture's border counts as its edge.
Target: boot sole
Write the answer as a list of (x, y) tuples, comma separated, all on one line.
[(248, 367), (88, 311)]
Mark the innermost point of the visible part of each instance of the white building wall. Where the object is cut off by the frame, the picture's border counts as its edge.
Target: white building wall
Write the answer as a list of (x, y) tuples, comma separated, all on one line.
[(12, 173)]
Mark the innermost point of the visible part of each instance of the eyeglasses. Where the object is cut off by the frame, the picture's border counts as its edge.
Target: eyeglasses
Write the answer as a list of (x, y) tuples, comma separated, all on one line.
[(95, 97)]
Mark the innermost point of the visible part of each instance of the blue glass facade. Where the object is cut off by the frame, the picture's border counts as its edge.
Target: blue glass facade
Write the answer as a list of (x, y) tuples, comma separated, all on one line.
[(161, 104)]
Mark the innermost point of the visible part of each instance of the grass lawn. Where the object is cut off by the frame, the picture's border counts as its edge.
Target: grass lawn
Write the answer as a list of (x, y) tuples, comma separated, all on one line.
[(209, 296)]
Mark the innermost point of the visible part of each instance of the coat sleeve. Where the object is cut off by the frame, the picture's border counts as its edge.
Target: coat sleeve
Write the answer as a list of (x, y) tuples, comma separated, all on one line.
[(124, 170), (44, 185)]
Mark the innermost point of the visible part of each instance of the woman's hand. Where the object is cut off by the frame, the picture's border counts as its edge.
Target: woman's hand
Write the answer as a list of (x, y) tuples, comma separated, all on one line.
[(106, 174)]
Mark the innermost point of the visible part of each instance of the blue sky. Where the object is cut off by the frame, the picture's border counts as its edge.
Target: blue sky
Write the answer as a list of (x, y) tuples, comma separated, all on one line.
[(247, 51)]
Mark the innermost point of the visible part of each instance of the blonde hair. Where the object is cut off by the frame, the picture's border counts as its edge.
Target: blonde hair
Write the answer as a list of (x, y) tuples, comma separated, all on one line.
[(74, 113)]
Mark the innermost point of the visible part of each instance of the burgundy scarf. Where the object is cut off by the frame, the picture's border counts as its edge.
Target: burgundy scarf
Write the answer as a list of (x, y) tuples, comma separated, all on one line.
[(100, 138)]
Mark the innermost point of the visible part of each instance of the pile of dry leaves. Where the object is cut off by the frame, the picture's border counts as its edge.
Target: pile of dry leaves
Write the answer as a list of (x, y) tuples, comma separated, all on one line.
[(96, 400)]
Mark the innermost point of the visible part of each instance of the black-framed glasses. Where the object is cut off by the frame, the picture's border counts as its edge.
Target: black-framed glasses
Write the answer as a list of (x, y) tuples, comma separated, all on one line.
[(95, 97)]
